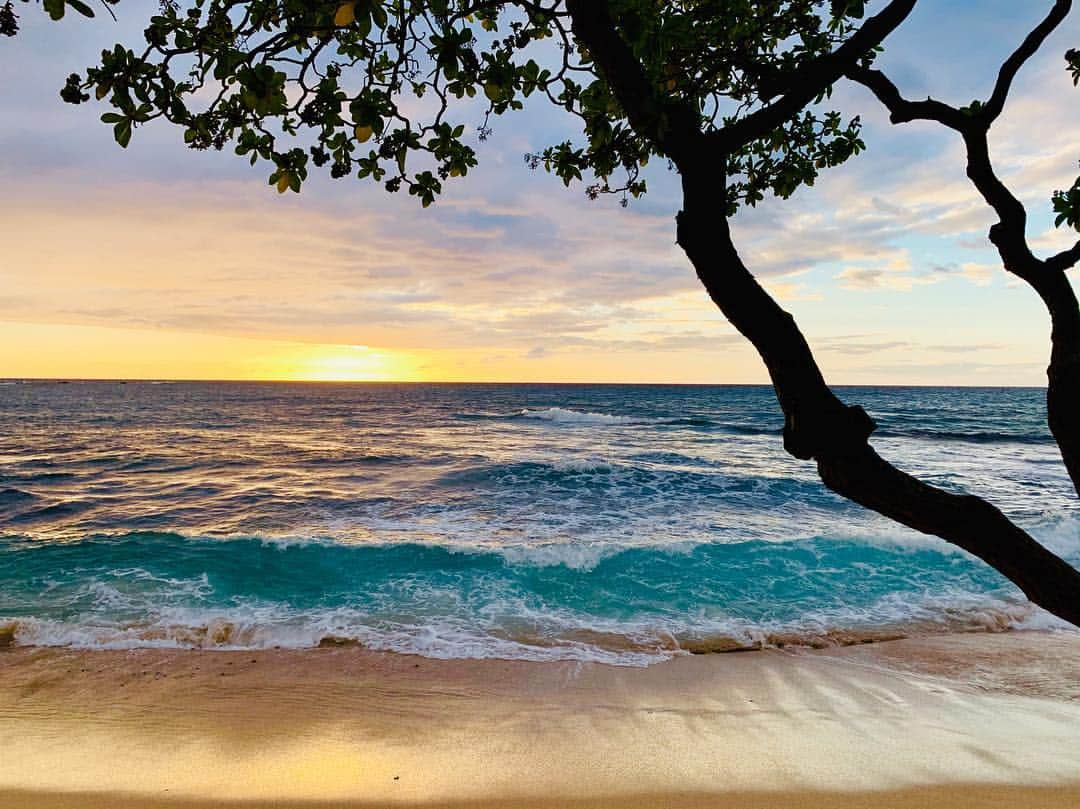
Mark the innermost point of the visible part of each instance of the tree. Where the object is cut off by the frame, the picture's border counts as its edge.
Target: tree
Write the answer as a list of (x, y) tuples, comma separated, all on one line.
[(729, 92), (1046, 276)]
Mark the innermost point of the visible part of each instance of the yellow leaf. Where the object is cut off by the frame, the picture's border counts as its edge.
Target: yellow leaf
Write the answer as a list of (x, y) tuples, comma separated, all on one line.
[(493, 91), (283, 183), (487, 25), (455, 172), (346, 15), (363, 133)]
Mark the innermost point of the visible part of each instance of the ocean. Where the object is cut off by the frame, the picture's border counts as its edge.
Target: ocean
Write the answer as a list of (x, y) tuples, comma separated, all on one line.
[(615, 523)]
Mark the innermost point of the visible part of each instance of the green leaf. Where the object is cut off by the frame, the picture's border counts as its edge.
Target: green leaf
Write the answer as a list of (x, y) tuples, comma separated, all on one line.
[(122, 132), (55, 8), (81, 7)]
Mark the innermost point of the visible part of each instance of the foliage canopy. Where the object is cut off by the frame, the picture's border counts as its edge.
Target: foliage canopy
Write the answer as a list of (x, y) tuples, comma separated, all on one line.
[(399, 91)]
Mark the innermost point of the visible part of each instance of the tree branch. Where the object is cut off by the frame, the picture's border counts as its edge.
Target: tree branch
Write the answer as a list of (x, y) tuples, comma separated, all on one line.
[(671, 124), (1009, 234), (1065, 260), (901, 111), (814, 79), (1027, 49), (965, 520)]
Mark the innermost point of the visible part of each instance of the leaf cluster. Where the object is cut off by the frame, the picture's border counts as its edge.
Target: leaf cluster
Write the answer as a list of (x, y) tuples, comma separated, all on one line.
[(1067, 202), (56, 9), (1067, 206), (401, 91)]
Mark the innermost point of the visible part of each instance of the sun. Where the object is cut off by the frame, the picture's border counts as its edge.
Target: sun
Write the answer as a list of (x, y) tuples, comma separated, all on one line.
[(344, 363)]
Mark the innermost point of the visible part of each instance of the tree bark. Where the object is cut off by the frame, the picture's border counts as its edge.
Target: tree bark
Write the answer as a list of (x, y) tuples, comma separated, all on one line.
[(1063, 373)]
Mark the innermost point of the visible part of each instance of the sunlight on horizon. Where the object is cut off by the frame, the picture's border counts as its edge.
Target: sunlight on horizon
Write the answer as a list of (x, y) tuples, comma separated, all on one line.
[(63, 351), (345, 363)]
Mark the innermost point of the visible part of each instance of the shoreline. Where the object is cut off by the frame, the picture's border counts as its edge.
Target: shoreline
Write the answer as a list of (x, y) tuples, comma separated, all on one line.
[(949, 721)]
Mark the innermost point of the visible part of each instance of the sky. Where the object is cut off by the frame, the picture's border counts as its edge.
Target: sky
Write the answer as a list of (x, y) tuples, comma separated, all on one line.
[(160, 262)]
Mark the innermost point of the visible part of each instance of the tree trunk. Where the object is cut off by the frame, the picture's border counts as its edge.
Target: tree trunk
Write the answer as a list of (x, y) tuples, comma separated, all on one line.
[(818, 425), (1063, 374), (1052, 285), (1063, 407)]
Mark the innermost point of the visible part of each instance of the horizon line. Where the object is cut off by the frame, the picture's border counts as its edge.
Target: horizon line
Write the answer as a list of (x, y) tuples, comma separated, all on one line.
[(166, 380)]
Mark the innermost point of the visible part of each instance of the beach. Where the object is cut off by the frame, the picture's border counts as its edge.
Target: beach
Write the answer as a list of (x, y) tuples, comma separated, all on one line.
[(983, 719)]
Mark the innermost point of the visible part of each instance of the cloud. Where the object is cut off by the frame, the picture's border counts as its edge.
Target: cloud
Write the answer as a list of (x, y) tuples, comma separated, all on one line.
[(859, 348), (895, 275), (1054, 240), (510, 265), (980, 274), (969, 348), (864, 344)]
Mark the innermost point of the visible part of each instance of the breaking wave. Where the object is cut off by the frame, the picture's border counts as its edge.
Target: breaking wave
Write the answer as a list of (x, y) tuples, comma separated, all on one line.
[(619, 605)]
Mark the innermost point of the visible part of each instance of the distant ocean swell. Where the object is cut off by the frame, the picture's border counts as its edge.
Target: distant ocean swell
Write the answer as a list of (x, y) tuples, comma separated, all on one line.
[(629, 606), (567, 416)]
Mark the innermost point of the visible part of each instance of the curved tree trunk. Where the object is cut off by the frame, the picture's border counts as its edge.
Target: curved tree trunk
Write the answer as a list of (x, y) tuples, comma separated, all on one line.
[(1009, 235), (819, 426), (1063, 403), (1063, 373), (1052, 285)]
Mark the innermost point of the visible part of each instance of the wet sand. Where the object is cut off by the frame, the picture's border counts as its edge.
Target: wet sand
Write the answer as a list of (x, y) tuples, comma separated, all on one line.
[(950, 797), (973, 721)]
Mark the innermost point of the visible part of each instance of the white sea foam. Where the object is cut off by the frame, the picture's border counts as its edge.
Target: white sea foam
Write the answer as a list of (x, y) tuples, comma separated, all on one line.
[(576, 556), (245, 628), (582, 465), (519, 630), (562, 415)]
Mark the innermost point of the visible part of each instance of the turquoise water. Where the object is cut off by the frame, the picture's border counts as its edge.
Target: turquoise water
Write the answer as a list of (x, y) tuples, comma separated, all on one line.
[(610, 523)]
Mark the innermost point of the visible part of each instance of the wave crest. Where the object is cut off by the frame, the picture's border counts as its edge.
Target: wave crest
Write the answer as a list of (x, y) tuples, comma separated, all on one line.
[(562, 415)]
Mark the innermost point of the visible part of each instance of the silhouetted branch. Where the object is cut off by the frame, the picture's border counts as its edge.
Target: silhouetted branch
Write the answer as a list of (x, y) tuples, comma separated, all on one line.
[(1027, 49), (814, 79), (1009, 233), (901, 110), (817, 424), (669, 123), (1065, 260)]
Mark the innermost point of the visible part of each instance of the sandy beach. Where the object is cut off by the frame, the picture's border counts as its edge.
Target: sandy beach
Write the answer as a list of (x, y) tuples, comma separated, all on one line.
[(968, 720)]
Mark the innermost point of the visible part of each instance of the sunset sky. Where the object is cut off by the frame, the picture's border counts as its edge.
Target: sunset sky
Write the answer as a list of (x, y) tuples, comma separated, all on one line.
[(159, 262)]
